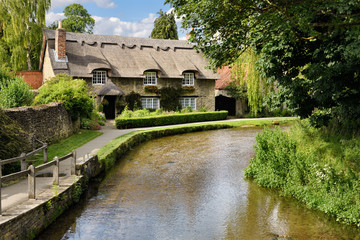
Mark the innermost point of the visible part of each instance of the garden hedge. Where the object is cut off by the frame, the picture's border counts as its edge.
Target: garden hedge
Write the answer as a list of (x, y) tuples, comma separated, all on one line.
[(162, 120)]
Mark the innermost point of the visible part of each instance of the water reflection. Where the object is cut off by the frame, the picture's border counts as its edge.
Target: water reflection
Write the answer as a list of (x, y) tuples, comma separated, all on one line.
[(191, 187)]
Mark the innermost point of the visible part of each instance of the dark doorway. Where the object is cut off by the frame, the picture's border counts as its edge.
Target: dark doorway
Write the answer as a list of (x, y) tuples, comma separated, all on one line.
[(109, 106), (226, 103)]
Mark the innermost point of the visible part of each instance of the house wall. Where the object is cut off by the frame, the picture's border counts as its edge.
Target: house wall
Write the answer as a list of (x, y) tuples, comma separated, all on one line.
[(47, 70), (204, 89), (32, 78)]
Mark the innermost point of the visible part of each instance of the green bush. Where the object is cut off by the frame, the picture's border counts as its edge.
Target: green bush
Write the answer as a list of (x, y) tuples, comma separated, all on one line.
[(14, 92), (72, 92), (133, 100), (169, 119), (170, 98), (320, 169)]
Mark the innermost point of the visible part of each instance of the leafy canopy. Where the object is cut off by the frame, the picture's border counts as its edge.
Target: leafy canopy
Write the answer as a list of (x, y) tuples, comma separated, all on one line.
[(165, 27), (21, 24), (72, 92), (77, 19), (310, 48)]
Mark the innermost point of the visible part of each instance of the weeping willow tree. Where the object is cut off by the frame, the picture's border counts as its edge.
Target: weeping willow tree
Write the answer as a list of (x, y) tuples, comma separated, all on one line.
[(22, 22), (248, 81)]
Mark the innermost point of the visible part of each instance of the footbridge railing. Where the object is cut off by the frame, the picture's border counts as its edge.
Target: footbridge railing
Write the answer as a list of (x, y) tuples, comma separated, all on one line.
[(31, 171)]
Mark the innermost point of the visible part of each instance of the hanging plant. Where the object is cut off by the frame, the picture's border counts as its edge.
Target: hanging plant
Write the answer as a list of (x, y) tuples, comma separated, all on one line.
[(188, 89), (152, 89)]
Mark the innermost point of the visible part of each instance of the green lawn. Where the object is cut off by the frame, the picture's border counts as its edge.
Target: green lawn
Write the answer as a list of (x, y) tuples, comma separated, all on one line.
[(65, 146)]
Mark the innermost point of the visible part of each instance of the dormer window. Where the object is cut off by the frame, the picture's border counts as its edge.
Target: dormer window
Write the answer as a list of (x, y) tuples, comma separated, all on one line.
[(150, 78), (188, 79), (99, 77)]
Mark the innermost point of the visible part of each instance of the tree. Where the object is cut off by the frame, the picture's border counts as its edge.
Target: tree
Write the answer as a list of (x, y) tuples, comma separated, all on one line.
[(310, 48), (77, 19), (22, 22), (165, 27)]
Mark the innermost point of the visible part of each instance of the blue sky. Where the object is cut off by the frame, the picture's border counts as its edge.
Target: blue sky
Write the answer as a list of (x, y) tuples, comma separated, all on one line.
[(133, 18)]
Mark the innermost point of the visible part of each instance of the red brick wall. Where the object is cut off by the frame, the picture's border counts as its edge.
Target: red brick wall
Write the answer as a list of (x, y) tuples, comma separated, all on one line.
[(32, 78)]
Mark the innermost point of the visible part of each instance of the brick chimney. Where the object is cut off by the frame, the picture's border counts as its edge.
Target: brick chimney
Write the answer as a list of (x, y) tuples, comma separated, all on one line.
[(60, 43)]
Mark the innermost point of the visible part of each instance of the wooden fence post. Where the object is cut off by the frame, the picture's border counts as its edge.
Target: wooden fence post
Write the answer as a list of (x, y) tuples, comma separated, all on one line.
[(31, 182), (23, 162), (33, 142), (0, 186), (73, 163), (56, 171), (46, 153)]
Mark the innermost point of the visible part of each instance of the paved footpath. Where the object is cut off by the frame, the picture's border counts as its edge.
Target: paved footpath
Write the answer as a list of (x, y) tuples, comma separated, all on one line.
[(16, 193)]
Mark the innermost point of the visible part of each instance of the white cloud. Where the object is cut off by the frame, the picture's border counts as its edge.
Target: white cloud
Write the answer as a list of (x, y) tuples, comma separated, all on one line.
[(99, 3), (114, 26), (53, 17)]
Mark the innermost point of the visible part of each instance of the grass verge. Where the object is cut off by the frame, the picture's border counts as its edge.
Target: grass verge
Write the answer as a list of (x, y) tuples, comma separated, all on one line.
[(65, 146)]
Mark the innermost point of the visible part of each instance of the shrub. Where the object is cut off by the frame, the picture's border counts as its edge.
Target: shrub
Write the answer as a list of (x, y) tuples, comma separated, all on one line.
[(72, 92), (133, 100), (176, 118), (170, 98), (316, 167), (14, 92)]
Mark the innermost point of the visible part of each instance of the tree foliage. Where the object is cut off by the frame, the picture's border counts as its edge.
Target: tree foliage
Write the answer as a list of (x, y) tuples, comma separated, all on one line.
[(165, 26), (77, 19), (72, 92), (309, 47), (22, 22)]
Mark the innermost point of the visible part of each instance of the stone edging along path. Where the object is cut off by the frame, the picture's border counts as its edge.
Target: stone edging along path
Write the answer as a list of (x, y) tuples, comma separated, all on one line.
[(28, 218)]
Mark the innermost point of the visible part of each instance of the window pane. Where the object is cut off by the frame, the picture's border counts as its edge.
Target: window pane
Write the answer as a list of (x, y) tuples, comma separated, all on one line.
[(150, 78), (188, 102), (188, 79), (99, 77)]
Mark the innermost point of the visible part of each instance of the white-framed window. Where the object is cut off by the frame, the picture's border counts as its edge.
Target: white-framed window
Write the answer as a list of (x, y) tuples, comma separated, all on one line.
[(150, 103), (188, 102), (99, 77), (150, 78), (188, 79)]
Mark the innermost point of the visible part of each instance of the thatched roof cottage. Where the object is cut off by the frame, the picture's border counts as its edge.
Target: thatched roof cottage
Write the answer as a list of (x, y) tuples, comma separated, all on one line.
[(114, 66)]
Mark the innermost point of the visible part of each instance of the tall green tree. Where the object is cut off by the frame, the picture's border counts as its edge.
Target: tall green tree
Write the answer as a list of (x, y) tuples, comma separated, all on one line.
[(77, 19), (22, 22), (165, 26), (309, 47)]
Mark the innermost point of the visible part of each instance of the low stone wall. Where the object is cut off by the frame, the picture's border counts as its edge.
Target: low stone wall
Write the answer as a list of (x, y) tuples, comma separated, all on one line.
[(29, 219), (50, 122)]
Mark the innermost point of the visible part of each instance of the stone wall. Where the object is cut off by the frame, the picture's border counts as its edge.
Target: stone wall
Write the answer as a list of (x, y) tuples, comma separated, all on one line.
[(49, 122)]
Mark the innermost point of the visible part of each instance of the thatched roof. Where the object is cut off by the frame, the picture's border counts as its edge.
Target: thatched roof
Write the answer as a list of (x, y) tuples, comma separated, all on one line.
[(110, 89), (127, 57)]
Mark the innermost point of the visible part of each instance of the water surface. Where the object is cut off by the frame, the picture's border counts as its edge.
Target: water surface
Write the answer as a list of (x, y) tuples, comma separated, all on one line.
[(191, 186)]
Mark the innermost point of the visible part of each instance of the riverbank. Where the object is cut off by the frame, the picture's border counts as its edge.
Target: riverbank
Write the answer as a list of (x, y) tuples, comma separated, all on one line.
[(110, 152), (317, 168)]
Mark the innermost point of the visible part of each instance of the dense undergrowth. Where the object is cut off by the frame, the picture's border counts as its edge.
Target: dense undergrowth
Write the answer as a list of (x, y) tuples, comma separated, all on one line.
[(316, 166)]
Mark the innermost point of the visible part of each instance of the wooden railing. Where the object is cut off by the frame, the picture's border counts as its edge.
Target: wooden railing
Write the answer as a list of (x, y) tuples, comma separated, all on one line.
[(31, 171)]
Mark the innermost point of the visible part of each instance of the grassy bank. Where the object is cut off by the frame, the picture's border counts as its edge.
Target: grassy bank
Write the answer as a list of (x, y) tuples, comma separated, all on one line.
[(318, 168), (65, 146), (112, 151)]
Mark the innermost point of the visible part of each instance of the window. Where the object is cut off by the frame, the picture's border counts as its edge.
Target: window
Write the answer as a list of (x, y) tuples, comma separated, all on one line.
[(150, 103), (188, 102), (150, 78), (99, 77), (188, 79)]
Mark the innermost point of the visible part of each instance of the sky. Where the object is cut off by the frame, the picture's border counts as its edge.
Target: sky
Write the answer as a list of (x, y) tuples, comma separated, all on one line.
[(128, 18)]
